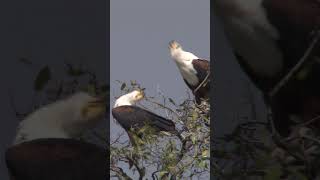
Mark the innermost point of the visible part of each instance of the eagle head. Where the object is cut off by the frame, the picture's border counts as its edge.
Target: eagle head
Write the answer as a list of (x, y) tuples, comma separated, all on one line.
[(66, 118), (85, 109), (130, 98)]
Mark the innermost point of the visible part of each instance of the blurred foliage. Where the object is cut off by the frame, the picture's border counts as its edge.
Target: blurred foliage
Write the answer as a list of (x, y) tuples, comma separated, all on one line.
[(53, 84), (164, 155), (255, 151)]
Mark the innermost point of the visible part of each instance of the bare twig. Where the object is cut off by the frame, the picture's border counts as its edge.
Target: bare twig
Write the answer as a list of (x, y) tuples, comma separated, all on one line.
[(120, 172), (311, 121), (297, 67), (202, 83)]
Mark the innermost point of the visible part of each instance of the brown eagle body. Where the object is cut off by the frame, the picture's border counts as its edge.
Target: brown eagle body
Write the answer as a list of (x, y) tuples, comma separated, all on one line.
[(269, 37), (203, 68)]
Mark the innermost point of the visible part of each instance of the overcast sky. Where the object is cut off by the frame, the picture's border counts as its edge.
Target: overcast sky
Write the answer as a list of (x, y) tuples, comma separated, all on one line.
[(140, 33)]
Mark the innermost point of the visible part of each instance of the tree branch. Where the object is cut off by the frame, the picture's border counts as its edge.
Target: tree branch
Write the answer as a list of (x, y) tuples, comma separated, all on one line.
[(297, 67)]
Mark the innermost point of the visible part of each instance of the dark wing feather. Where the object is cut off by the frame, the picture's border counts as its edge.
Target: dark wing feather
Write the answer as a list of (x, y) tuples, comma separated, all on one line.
[(52, 159), (133, 116), (202, 67)]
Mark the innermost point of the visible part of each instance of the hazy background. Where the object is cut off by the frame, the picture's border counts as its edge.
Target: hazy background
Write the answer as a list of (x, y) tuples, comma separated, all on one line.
[(46, 32), (235, 98)]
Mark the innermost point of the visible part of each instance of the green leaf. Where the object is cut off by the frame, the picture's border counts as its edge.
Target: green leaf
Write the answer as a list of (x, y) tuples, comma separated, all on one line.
[(25, 61), (202, 164), (195, 115), (42, 78), (123, 86), (193, 139), (133, 82), (171, 101), (205, 153), (162, 173)]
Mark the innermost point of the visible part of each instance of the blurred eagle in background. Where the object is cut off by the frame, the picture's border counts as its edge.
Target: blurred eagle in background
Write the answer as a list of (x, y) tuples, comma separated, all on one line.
[(276, 43), (45, 146)]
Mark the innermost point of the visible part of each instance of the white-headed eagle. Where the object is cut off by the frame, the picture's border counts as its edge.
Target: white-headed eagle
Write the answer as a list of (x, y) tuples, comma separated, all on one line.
[(194, 71), (131, 116), (269, 38), (45, 146)]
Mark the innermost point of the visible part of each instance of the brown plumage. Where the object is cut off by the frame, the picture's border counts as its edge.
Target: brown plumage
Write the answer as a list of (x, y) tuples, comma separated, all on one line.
[(203, 68), (283, 30), (52, 159), (193, 70)]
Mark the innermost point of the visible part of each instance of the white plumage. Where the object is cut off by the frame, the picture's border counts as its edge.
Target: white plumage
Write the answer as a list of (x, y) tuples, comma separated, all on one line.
[(251, 34), (129, 99), (184, 62), (66, 118)]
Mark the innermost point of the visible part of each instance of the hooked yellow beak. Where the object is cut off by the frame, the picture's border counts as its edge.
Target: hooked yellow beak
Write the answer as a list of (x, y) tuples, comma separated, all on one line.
[(140, 95), (174, 45), (95, 109)]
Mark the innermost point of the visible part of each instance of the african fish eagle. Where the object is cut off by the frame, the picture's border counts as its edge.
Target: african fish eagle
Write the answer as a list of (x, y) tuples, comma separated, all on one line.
[(194, 70), (44, 147), (67, 118), (130, 116), (269, 38)]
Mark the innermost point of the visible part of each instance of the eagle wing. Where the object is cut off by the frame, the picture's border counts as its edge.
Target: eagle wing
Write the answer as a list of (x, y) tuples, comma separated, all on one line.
[(136, 117), (202, 67)]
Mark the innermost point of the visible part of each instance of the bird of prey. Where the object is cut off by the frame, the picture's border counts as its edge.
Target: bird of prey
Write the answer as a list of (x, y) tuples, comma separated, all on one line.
[(194, 71), (45, 147), (276, 43), (130, 116)]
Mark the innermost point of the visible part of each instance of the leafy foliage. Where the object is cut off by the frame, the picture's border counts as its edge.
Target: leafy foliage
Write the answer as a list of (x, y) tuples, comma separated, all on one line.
[(254, 150), (50, 88), (165, 156)]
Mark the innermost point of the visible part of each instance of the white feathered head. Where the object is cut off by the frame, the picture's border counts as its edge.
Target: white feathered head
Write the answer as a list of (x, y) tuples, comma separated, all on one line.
[(66, 118)]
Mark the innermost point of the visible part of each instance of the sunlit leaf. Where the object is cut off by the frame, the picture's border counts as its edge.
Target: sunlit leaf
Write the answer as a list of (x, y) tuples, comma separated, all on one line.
[(195, 115), (202, 164), (205, 153), (193, 139), (42, 78), (133, 82), (162, 173)]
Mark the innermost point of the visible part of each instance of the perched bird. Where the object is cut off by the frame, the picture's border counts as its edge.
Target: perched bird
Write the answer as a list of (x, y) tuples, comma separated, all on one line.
[(67, 118), (130, 116), (194, 71), (45, 147), (269, 39)]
